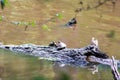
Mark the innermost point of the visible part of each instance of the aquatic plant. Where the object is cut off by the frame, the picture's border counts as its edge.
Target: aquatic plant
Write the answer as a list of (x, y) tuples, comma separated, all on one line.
[(111, 34)]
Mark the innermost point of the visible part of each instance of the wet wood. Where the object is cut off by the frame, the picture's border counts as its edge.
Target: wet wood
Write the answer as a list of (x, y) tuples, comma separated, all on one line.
[(72, 56), (111, 62), (80, 56)]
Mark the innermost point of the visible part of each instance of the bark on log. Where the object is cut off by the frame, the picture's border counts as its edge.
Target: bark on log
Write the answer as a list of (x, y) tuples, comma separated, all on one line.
[(114, 69), (111, 62), (70, 56)]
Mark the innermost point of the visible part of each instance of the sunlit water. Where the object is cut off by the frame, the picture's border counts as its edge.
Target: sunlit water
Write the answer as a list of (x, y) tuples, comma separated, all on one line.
[(22, 67)]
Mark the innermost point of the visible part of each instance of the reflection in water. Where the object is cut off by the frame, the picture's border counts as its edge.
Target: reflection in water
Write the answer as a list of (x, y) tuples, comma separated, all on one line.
[(63, 73), (1, 71), (80, 73), (21, 67)]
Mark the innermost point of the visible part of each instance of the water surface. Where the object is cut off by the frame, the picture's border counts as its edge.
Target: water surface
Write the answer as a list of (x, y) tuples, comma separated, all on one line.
[(15, 66)]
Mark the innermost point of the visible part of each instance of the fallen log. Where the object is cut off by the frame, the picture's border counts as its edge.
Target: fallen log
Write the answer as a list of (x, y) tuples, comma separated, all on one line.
[(114, 69), (71, 56)]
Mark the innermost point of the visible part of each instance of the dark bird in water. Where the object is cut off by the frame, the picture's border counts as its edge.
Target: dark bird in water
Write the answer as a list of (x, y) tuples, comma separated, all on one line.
[(2, 4), (72, 23)]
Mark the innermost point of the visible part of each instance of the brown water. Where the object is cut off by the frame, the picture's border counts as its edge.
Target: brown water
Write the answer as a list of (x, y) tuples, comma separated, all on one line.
[(89, 24), (19, 67)]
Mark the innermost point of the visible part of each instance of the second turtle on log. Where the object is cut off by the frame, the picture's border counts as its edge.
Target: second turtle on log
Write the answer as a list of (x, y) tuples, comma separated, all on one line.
[(95, 51)]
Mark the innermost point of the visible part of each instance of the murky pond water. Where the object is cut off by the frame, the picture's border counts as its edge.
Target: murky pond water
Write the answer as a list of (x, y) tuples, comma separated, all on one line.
[(23, 67)]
